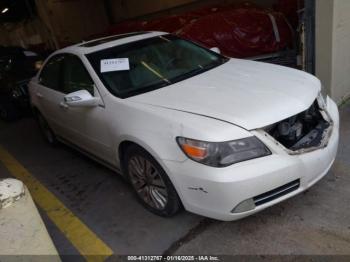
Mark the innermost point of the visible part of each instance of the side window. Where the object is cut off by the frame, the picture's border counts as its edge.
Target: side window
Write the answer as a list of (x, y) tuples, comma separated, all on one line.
[(51, 74), (75, 76)]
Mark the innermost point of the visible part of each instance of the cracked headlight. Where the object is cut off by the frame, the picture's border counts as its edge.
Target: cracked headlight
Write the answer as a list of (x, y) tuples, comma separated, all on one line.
[(223, 154)]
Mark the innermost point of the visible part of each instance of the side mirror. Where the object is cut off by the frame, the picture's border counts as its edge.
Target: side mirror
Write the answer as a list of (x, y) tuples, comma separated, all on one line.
[(81, 98), (216, 50)]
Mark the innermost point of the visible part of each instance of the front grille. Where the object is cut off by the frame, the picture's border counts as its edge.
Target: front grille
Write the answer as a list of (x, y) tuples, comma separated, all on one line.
[(276, 193)]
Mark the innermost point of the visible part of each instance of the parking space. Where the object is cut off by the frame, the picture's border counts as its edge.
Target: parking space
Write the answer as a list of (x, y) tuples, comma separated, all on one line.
[(97, 196), (316, 222)]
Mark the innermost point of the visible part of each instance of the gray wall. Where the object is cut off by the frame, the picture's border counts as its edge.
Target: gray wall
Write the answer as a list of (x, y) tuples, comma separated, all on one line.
[(333, 47)]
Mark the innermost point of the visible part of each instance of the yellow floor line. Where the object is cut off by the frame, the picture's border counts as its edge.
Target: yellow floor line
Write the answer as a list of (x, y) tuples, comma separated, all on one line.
[(84, 240)]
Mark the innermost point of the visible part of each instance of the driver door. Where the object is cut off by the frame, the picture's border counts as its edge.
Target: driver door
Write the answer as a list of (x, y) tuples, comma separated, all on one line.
[(87, 127)]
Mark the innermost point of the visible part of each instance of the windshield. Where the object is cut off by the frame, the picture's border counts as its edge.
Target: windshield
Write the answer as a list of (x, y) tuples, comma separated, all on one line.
[(150, 64)]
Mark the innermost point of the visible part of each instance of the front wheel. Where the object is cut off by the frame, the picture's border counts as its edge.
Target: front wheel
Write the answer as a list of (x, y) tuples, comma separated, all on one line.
[(150, 182)]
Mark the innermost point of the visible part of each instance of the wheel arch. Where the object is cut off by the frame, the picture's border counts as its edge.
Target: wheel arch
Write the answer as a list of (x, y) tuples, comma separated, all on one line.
[(134, 141), (127, 142), (131, 142)]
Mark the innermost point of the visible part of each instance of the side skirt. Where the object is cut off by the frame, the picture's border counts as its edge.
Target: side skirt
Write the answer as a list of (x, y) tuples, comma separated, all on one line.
[(91, 156)]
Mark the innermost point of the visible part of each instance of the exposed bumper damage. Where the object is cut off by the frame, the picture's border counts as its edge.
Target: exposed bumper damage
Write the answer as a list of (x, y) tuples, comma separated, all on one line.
[(304, 132), (261, 182)]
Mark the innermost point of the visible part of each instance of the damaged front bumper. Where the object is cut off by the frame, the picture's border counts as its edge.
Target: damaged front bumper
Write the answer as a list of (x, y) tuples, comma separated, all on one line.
[(245, 188), (305, 132)]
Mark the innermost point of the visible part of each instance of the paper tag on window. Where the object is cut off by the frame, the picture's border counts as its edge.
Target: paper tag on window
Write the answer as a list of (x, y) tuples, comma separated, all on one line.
[(116, 64)]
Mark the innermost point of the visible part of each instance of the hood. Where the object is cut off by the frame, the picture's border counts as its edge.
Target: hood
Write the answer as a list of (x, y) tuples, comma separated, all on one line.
[(245, 93)]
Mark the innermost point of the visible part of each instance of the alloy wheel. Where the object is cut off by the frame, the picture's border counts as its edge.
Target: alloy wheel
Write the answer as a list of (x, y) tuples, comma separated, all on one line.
[(147, 182)]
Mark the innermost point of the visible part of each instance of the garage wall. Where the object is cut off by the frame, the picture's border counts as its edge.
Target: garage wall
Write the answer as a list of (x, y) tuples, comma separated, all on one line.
[(126, 9), (69, 21), (332, 46), (25, 34), (5, 38), (72, 21), (60, 23), (341, 47), (324, 42)]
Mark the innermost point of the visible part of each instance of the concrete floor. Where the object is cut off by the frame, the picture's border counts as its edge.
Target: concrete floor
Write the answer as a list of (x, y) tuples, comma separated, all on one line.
[(314, 223)]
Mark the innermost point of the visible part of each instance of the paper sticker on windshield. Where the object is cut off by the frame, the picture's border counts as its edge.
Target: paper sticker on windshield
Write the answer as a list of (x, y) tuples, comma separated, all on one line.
[(116, 64)]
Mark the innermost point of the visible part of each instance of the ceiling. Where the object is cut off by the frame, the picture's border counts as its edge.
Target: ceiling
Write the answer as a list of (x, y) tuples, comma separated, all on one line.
[(16, 10)]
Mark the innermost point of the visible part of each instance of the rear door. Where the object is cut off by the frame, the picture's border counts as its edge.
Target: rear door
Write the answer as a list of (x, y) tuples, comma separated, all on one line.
[(49, 94)]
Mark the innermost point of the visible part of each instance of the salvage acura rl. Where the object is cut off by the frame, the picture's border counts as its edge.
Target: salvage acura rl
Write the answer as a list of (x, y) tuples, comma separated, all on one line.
[(188, 127)]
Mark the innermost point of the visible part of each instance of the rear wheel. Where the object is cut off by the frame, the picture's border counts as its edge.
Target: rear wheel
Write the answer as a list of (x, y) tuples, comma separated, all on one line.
[(150, 182), (45, 129)]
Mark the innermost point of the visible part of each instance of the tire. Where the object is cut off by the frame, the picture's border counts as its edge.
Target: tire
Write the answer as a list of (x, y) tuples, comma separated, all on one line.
[(45, 129), (8, 112), (151, 184)]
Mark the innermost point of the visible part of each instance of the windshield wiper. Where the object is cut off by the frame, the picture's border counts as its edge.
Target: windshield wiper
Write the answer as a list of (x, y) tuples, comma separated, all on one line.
[(197, 71), (155, 72)]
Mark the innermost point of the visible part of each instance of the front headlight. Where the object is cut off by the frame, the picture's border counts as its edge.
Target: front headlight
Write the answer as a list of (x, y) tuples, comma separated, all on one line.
[(223, 154)]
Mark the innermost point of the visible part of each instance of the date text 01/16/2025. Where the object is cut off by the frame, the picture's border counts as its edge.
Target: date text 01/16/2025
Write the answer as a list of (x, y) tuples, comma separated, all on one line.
[(173, 258)]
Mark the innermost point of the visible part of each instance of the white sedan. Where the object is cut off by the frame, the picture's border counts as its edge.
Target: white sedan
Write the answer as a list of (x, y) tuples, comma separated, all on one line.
[(188, 127)]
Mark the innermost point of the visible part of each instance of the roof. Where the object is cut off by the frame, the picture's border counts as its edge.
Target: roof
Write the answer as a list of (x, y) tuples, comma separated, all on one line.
[(107, 42), (107, 39)]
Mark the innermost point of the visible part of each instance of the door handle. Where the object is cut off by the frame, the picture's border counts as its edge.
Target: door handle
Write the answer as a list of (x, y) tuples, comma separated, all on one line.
[(63, 105), (39, 95)]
